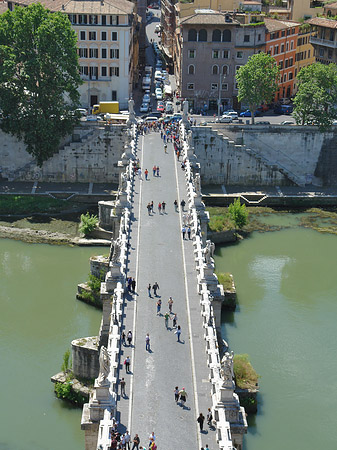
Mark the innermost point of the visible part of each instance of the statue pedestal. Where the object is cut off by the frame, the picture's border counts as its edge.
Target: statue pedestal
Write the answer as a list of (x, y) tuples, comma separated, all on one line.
[(102, 392), (113, 276)]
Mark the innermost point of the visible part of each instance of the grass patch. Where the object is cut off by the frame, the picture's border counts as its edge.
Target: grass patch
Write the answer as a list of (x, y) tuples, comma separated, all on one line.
[(28, 204), (245, 375), (226, 280)]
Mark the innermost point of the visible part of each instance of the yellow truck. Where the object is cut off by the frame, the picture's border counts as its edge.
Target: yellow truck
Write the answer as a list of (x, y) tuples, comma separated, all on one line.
[(106, 107)]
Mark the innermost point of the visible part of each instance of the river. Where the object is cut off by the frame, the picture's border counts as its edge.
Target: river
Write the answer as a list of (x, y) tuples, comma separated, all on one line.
[(286, 321), (39, 318)]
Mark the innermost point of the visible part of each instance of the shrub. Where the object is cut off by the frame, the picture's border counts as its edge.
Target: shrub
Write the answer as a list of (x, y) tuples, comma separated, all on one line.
[(95, 284), (238, 213), (226, 280), (88, 223), (245, 375), (66, 362), (65, 391)]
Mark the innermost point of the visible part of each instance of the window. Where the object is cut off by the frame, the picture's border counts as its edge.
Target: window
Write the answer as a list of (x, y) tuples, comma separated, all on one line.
[(190, 86), (281, 65), (309, 53), (215, 54), (291, 45), (192, 35), (284, 78), (246, 38), (103, 71), (72, 18), (92, 35), (103, 20), (225, 54), (104, 53), (226, 36), (330, 53), (259, 37), (288, 32), (93, 72), (291, 62), (103, 36), (215, 70), (276, 50), (286, 64), (295, 72), (114, 36), (239, 55), (191, 69), (191, 53), (82, 18), (283, 33), (236, 87), (224, 87), (82, 36), (225, 70), (114, 96), (114, 53), (214, 86), (93, 19), (282, 48), (202, 35), (83, 52), (216, 36), (93, 53), (114, 71), (290, 76), (321, 52), (287, 46), (293, 31), (237, 68), (114, 20), (84, 70)]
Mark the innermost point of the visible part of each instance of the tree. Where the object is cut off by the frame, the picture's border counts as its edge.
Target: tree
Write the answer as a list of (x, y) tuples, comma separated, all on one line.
[(238, 213), (316, 98), (39, 78), (257, 80)]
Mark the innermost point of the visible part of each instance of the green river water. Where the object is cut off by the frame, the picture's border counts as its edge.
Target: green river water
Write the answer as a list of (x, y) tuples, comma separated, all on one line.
[(286, 321), (39, 318)]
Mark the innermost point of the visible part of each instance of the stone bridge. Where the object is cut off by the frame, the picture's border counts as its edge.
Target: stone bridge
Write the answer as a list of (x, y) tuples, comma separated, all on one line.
[(150, 248)]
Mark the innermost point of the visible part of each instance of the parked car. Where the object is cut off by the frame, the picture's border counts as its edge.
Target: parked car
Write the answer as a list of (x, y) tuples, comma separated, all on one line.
[(224, 119), (283, 109), (287, 122), (247, 113), (160, 106), (146, 98), (145, 107), (234, 115), (152, 114), (158, 76), (81, 112), (262, 122), (169, 107), (92, 118), (159, 94), (158, 84)]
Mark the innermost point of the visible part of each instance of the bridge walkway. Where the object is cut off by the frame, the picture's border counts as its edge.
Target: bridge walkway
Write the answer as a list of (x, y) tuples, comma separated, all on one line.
[(158, 253)]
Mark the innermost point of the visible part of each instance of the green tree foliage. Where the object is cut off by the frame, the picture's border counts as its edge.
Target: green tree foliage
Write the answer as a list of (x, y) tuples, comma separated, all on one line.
[(66, 361), (257, 80), (88, 223), (238, 213), (39, 78), (316, 98)]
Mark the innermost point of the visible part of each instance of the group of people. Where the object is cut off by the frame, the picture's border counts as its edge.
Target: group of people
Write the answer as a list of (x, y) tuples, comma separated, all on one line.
[(123, 441), (131, 285), (161, 208)]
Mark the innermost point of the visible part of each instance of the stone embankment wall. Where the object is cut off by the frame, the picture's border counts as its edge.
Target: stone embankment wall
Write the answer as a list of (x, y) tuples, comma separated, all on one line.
[(265, 155), (91, 154)]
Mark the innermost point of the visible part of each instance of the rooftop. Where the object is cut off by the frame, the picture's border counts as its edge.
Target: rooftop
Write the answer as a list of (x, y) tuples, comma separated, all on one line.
[(277, 25), (323, 22), (209, 17)]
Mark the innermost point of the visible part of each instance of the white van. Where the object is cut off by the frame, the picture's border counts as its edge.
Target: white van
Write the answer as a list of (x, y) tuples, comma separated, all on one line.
[(146, 84)]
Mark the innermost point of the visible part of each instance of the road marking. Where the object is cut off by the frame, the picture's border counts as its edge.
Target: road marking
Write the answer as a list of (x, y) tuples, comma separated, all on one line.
[(137, 284), (188, 307), (34, 187)]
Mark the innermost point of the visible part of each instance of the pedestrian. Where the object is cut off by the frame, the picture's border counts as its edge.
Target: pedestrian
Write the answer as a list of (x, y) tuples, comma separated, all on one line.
[(183, 396), (159, 207), (152, 206), (165, 148), (152, 438), (157, 171), (127, 364), (122, 383), (178, 333), (129, 337), (122, 443), (178, 154), (167, 316), (140, 173), (123, 338), (149, 208), (114, 443), (200, 421), (155, 287), (149, 290), (209, 417), (189, 232), (183, 231), (158, 307), (147, 342), (133, 285), (182, 204), (146, 172), (174, 320), (136, 442), (163, 205), (154, 168), (127, 439), (206, 448), (176, 394), (175, 205), (129, 284), (164, 138), (170, 304)]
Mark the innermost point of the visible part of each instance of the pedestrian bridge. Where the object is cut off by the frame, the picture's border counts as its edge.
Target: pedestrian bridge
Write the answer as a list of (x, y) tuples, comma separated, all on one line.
[(150, 248)]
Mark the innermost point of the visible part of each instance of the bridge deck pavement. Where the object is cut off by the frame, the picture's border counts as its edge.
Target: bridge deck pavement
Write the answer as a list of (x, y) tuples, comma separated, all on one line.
[(158, 253)]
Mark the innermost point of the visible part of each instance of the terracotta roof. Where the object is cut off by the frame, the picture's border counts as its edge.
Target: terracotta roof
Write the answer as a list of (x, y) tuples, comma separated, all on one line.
[(322, 22), (84, 6), (208, 17), (277, 25)]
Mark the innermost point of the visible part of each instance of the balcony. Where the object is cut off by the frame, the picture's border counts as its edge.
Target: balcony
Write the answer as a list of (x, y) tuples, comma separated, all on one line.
[(325, 42)]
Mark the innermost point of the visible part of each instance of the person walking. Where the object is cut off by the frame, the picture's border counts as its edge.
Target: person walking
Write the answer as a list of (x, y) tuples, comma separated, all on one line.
[(170, 304), (123, 338), (163, 205), (189, 232), (178, 333), (146, 172), (154, 168), (152, 206), (182, 204), (157, 171), (133, 285), (127, 364), (155, 287), (122, 383), (149, 290), (183, 231), (174, 320), (152, 438), (158, 307), (178, 154), (140, 173), (166, 317), (200, 421), (149, 208), (129, 284), (136, 442), (127, 438), (159, 207), (165, 148), (129, 337), (209, 417), (175, 205), (176, 394), (147, 342), (183, 396)]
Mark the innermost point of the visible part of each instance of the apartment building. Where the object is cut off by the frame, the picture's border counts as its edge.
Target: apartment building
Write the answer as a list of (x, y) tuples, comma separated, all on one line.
[(281, 43), (212, 46), (107, 46), (324, 39), (304, 51)]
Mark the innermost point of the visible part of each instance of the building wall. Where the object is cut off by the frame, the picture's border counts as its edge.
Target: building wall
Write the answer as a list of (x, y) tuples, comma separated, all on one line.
[(304, 53), (302, 9), (324, 41)]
